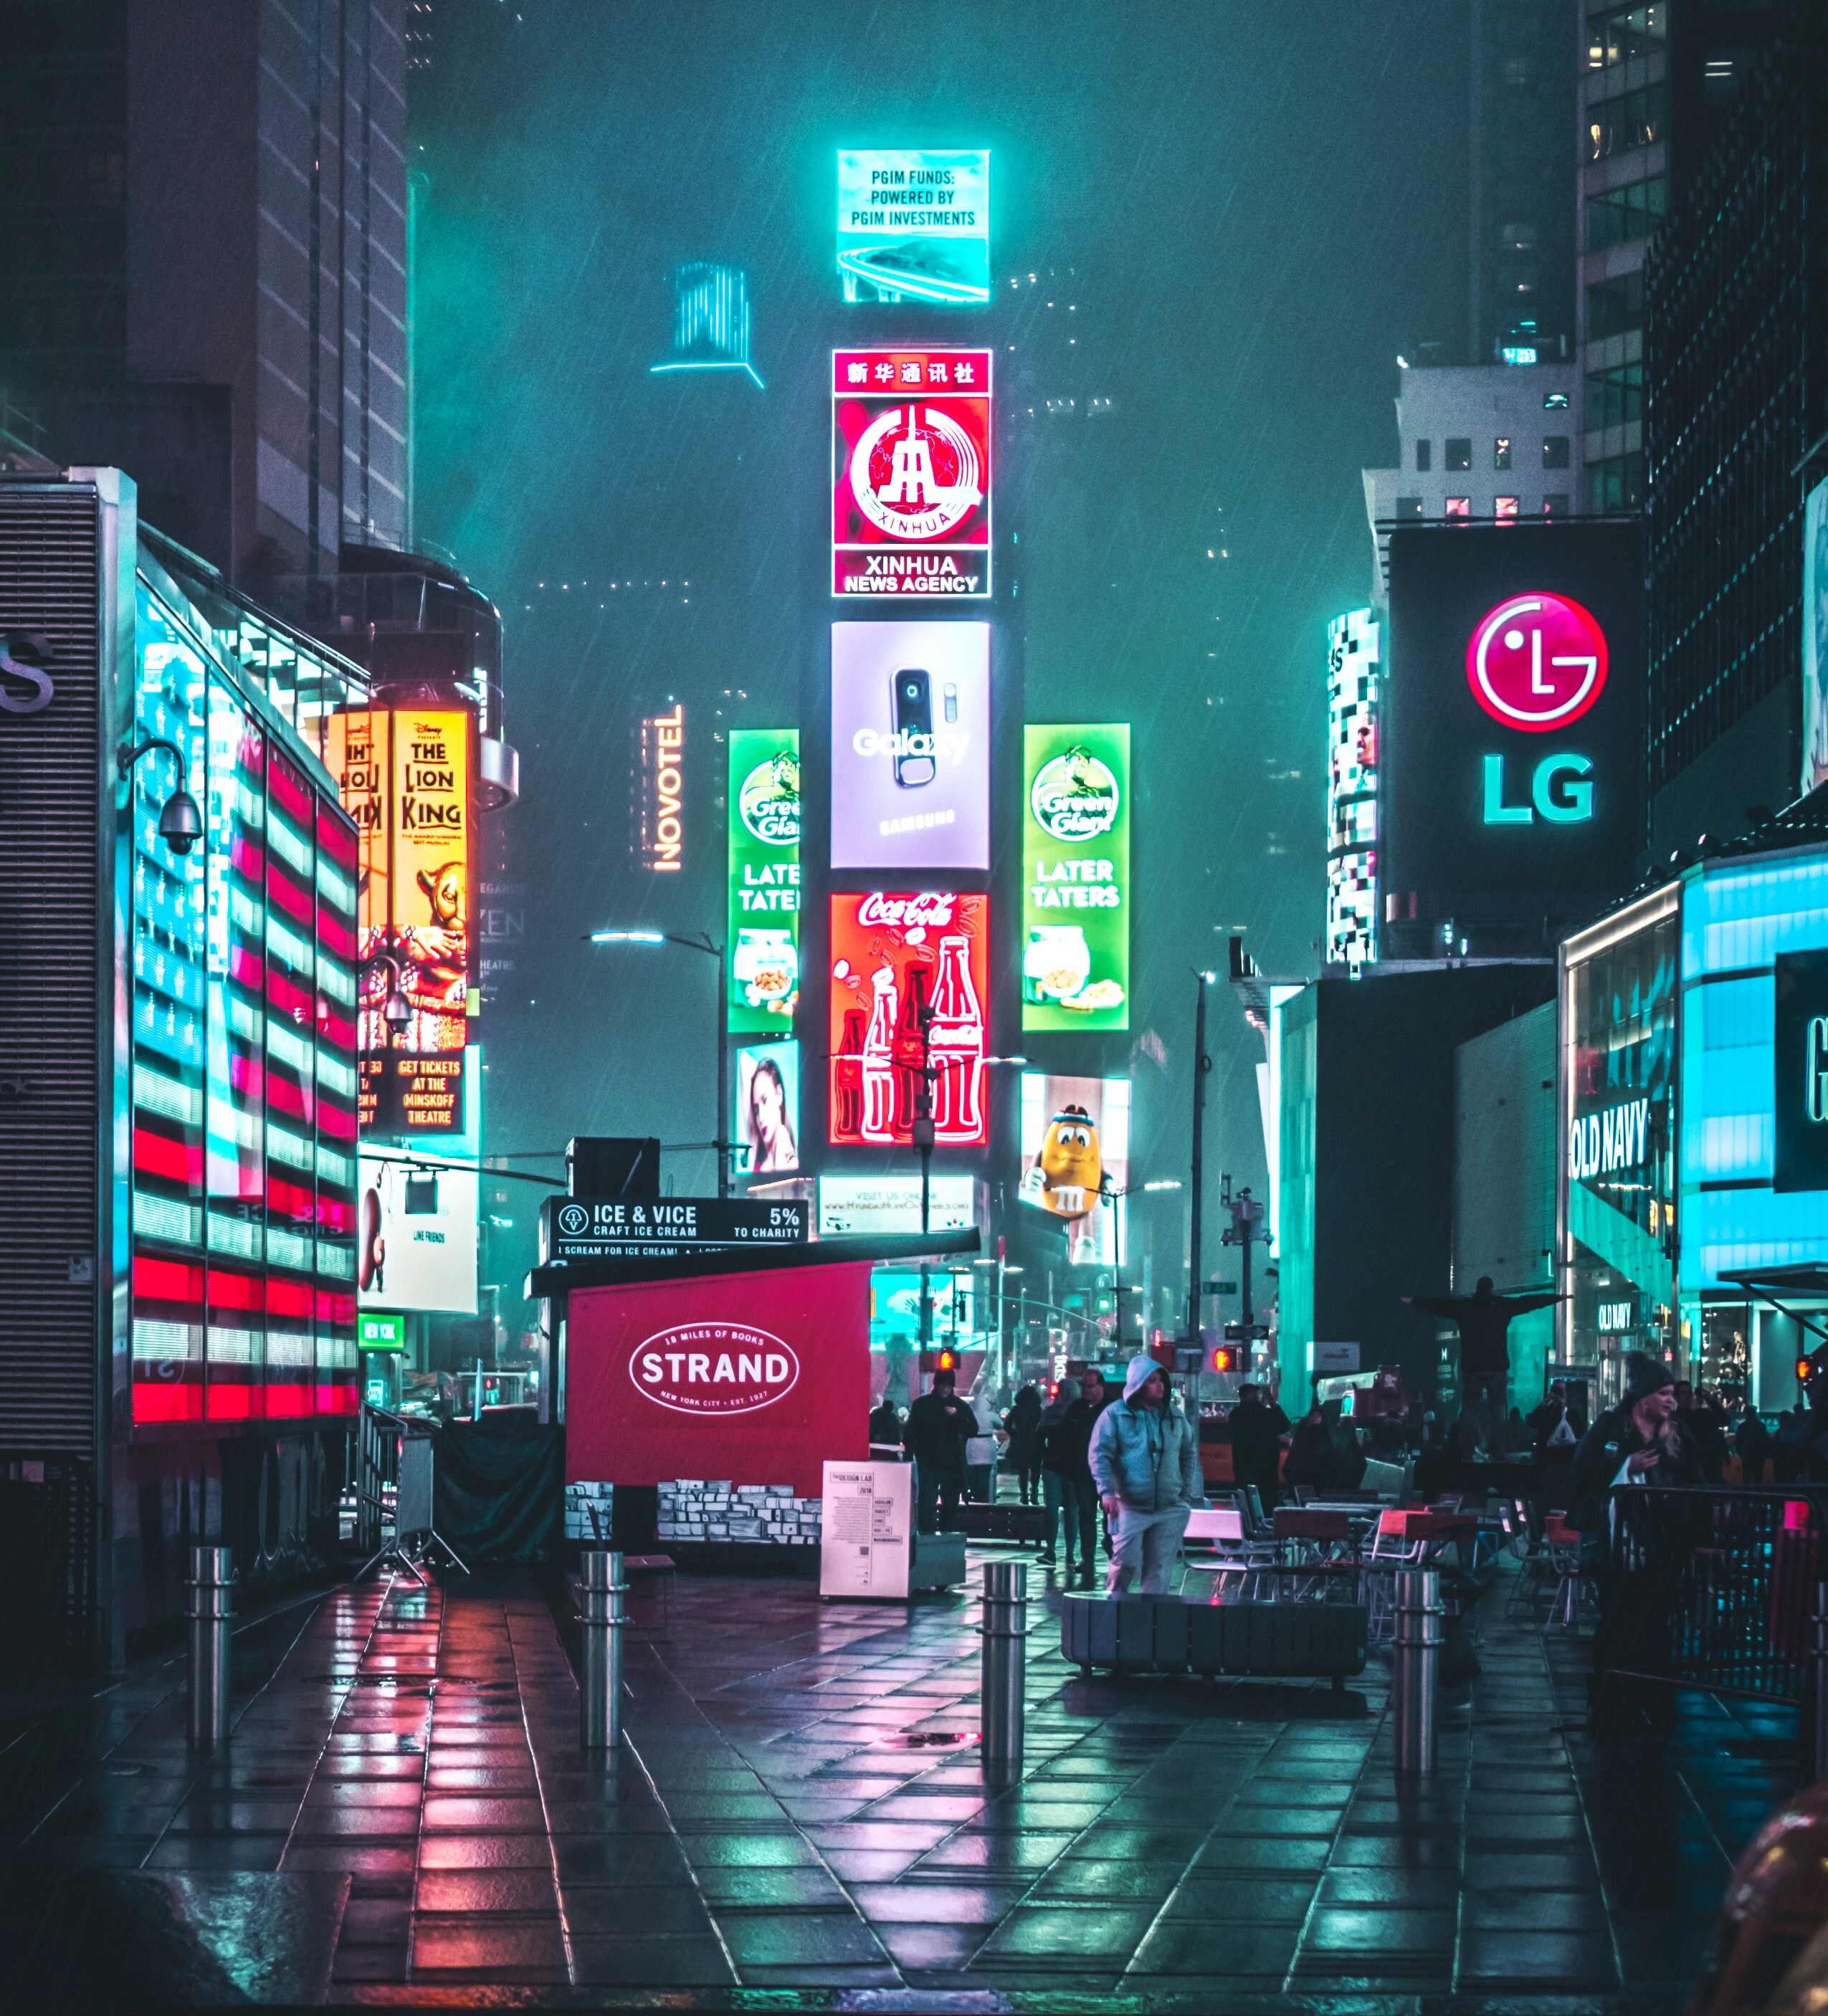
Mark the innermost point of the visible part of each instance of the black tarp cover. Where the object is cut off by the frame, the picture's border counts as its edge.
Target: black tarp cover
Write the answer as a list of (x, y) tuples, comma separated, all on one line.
[(500, 1488)]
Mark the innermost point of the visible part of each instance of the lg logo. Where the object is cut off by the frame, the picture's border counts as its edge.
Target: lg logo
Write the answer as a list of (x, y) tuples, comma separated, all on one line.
[(1537, 662), (24, 654)]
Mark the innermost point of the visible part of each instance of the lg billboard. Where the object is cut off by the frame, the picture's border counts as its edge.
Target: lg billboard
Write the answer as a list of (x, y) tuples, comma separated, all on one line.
[(1511, 751)]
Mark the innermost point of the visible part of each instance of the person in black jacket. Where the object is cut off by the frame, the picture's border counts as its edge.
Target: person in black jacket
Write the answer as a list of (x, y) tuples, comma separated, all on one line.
[(885, 1424), (1066, 1455), (1642, 1440), (939, 1426), (1022, 1426), (1257, 1427)]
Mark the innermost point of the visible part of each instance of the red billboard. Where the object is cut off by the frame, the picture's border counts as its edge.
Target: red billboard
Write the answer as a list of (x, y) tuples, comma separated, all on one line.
[(899, 961), (757, 1377), (910, 472)]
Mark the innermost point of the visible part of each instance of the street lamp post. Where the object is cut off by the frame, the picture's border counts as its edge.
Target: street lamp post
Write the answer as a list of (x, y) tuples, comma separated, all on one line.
[(704, 943), (1202, 1064)]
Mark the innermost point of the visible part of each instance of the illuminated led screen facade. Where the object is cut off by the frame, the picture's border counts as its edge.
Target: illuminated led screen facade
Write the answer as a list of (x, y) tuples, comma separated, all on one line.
[(1352, 721), (896, 956), (405, 777), (1075, 1141), (910, 474), (1075, 877), (243, 1061), (764, 878), (914, 224)]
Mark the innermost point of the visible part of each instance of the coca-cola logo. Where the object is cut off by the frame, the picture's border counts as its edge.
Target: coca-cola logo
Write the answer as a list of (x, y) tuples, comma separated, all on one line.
[(932, 911), (714, 1368)]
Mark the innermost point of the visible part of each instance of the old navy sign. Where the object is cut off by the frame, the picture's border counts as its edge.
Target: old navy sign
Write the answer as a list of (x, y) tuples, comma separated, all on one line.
[(1598, 1143)]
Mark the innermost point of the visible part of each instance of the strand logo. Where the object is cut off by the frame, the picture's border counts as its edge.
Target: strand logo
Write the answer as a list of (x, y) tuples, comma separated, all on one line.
[(1537, 662), (714, 1368)]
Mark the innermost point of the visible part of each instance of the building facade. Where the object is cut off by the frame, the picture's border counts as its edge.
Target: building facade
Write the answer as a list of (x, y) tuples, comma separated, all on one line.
[(178, 1134)]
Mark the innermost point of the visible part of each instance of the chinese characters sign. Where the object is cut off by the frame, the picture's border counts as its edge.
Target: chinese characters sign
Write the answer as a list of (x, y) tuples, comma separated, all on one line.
[(901, 963), (914, 225), (1075, 877), (910, 472), (764, 878)]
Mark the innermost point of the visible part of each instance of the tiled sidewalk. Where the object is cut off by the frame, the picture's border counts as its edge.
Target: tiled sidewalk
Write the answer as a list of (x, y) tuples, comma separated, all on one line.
[(404, 1814)]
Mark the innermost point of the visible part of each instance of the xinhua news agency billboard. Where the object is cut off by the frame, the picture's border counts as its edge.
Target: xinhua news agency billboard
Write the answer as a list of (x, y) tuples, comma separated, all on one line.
[(910, 474), (764, 939), (403, 775), (1075, 877), (914, 224), (1511, 754)]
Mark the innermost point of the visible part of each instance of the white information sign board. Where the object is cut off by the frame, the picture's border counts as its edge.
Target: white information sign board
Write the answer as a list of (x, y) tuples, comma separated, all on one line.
[(867, 1529)]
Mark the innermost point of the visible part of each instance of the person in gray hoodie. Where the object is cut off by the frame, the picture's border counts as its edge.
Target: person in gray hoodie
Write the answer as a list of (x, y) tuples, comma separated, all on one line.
[(1145, 1461)]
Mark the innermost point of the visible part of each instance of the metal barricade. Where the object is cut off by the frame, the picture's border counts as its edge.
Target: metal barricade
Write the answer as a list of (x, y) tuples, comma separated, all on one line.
[(1714, 1589)]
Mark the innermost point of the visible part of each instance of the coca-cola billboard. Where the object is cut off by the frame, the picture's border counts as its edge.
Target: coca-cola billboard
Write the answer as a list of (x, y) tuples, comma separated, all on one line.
[(909, 1002)]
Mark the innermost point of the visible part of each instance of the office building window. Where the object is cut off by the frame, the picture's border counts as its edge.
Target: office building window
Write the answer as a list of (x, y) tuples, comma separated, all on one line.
[(1554, 451), (1720, 75), (1501, 452), (1619, 35), (1638, 119), (1555, 504), (1615, 306), (1616, 483), (1458, 507), (1555, 402), (1505, 510), (1616, 216), (1459, 454), (1424, 455), (1408, 507), (1615, 398)]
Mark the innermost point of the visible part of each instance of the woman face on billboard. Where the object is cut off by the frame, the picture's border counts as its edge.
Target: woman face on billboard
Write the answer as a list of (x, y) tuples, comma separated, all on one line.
[(771, 1142)]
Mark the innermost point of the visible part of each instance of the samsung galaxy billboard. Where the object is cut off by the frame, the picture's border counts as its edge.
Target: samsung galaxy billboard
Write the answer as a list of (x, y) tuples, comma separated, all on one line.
[(911, 745), (1511, 759)]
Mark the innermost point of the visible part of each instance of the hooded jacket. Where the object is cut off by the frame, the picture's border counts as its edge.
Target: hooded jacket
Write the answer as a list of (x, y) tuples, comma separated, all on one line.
[(1148, 1457)]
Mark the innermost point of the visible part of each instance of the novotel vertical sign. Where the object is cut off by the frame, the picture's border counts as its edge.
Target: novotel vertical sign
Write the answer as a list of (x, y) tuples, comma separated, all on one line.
[(662, 838), (1511, 762)]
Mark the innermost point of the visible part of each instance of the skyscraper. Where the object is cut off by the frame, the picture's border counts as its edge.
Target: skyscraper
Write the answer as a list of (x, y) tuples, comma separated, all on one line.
[(203, 265)]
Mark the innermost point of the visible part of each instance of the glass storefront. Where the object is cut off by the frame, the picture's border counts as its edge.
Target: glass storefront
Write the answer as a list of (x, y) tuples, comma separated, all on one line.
[(243, 1055), (1616, 1232)]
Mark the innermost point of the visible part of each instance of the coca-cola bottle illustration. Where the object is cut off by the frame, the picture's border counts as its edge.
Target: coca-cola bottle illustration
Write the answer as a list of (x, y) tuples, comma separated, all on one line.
[(879, 1070), (957, 1047), (847, 1079), (917, 992)]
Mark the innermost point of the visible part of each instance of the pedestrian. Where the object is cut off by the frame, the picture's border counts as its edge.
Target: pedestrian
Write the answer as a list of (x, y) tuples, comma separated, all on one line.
[(1790, 1451), (1145, 1458), (1022, 1426), (1066, 1475), (1557, 1425), (1643, 1440), (1258, 1425), (1753, 1441), (885, 1424), (1705, 1430), (1309, 1466), (939, 1424), (1053, 1495)]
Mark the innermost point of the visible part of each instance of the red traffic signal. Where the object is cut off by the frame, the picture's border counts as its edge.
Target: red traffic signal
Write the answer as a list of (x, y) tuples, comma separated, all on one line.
[(939, 1361), (1225, 1358), (1805, 1371)]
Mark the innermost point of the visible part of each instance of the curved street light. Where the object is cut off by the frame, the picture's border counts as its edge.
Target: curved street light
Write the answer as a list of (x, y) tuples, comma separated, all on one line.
[(396, 1010), (180, 822)]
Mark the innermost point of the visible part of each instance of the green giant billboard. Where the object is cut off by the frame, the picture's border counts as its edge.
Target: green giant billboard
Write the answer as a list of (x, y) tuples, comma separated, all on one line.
[(1075, 877), (764, 879)]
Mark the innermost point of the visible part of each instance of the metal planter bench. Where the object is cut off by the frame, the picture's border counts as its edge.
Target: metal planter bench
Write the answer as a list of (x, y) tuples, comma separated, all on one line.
[(1163, 1634)]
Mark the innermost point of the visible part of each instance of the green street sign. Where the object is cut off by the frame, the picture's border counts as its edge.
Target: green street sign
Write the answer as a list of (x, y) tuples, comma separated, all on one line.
[(378, 1330)]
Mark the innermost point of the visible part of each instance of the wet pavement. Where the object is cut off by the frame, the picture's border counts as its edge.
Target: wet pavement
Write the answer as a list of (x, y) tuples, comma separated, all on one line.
[(403, 1815)]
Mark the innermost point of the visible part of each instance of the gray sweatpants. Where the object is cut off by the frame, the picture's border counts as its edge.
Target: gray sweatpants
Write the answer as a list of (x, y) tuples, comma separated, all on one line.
[(1148, 1540)]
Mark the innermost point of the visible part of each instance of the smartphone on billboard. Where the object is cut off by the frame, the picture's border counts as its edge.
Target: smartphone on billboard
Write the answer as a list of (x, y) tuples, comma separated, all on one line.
[(914, 715)]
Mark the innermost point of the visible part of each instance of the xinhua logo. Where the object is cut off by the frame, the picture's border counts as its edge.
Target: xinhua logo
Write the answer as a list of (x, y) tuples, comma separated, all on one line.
[(1537, 662)]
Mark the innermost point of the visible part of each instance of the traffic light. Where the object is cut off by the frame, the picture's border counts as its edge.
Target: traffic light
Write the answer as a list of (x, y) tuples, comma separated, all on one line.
[(1804, 1371), (939, 1361), (1225, 1358)]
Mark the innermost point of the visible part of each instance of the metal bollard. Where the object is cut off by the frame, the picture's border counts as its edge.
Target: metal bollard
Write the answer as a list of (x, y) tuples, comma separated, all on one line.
[(212, 1614), (1416, 1675), (1005, 1630), (601, 1613), (1821, 1681)]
